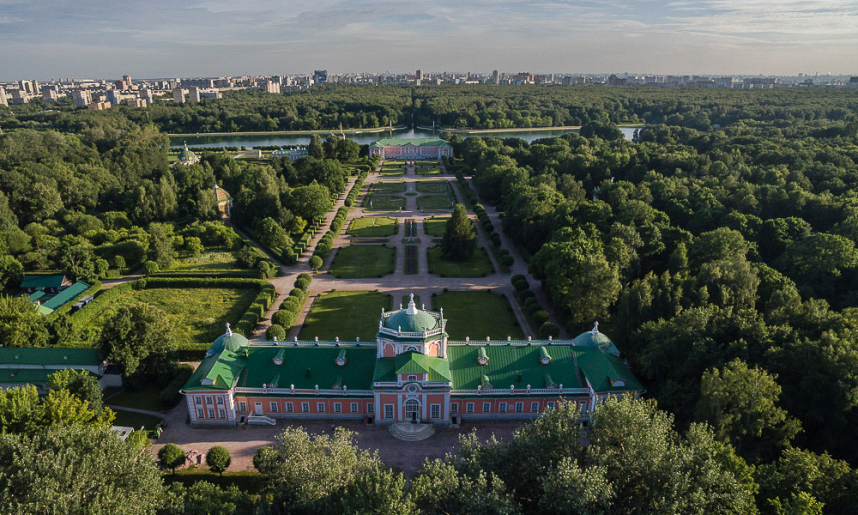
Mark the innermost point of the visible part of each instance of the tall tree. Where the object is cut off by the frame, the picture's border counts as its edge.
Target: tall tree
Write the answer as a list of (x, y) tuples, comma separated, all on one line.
[(20, 324), (138, 337), (460, 238)]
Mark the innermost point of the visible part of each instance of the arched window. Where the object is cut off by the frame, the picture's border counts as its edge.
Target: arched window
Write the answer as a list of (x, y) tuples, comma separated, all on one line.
[(412, 410)]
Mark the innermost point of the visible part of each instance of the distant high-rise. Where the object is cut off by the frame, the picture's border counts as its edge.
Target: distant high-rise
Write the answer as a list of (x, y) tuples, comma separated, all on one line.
[(179, 96), (49, 95), (194, 94), (146, 94), (81, 97), (320, 76), (271, 86), (120, 85), (3, 100), (127, 80), (495, 77), (419, 74)]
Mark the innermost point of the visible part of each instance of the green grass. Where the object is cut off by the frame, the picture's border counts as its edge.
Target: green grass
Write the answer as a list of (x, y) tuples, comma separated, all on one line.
[(198, 315), (428, 171), (248, 481), (373, 227), (435, 227), (384, 202), (435, 187), (145, 398), (135, 420), (435, 202), (392, 170), (387, 188), (213, 259), (477, 266), (345, 314), (363, 262), (394, 163), (477, 315)]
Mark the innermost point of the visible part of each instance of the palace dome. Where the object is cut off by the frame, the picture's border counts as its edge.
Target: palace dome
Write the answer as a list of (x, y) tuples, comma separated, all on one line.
[(412, 320), (228, 341), (595, 340)]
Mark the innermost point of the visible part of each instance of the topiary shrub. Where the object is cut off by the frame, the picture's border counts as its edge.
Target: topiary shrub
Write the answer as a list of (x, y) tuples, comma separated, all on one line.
[(521, 284), (496, 240), (540, 317), (283, 318), (302, 283), (218, 459), (276, 331), (291, 304), (549, 329), (524, 295), (297, 293), (517, 277), (507, 260), (529, 303), (171, 457)]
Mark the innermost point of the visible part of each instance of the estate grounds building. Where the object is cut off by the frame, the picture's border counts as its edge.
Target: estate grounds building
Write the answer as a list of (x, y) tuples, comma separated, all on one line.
[(396, 148), (410, 373)]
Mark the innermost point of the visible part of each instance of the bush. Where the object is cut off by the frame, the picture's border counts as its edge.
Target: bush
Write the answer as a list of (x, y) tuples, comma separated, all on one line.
[(316, 263), (496, 240), (302, 283), (297, 293), (283, 318), (292, 304), (276, 331), (549, 329), (520, 284), (517, 277), (533, 309), (524, 295), (530, 303), (218, 459), (507, 260), (539, 318), (171, 457), (150, 268)]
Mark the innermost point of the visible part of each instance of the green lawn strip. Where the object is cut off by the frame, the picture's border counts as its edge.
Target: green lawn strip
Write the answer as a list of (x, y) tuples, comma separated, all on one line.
[(145, 398), (384, 202), (198, 315), (478, 265), (373, 227), (477, 315), (433, 187), (248, 481), (428, 171), (345, 314), (212, 259), (136, 420), (435, 227), (363, 262), (388, 188), (434, 202)]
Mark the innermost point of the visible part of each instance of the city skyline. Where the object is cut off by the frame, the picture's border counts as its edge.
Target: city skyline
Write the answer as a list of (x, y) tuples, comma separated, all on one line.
[(215, 38)]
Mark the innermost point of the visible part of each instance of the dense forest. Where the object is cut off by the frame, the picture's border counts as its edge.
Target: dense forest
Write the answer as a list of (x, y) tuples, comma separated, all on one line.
[(452, 106)]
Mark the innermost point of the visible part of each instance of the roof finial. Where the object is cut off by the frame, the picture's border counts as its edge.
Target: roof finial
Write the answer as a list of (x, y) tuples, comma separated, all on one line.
[(228, 330), (596, 328), (412, 309), (186, 146)]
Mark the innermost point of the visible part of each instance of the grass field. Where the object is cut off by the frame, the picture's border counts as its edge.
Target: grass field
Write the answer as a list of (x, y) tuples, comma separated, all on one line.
[(477, 266), (434, 187), (435, 202), (210, 260), (428, 171), (373, 227), (363, 262), (145, 398), (392, 170), (477, 315), (435, 227), (345, 314), (198, 315), (388, 188), (384, 202), (135, 420)]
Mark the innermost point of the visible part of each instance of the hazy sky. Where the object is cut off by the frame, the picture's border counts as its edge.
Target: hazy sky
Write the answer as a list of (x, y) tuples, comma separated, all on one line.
[(159, 38)]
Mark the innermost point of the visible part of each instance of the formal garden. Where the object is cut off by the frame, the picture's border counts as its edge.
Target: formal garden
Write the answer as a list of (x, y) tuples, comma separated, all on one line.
[(387, 188), (477, 314), (373, 227), (363, 262), (435, 203), (478, 265), (345, 314), (374, 202), (433, 187), (435, 226)]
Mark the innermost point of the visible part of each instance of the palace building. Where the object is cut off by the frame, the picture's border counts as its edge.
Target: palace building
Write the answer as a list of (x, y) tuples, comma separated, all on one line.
[(395, 148), (410, 373)]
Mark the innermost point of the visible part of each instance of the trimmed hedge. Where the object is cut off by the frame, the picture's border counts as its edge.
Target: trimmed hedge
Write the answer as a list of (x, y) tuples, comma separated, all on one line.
[(170, 395)]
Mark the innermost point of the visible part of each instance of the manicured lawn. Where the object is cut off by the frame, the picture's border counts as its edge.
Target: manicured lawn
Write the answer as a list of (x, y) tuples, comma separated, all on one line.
[(394, 163), (435, 202), (345, 314), (135, 420), (435, 226), (248, 481), (373, 227), (428, 171), (436, 187), (363, 262), (198, 315), (145, 398), (388, 188), (384, 202), (392, 170), (213, 259), (477, 315), (477, 266)]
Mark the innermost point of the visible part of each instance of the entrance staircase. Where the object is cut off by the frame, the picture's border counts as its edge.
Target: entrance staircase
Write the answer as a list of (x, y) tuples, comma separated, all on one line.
[(408, 432), (261, 420)]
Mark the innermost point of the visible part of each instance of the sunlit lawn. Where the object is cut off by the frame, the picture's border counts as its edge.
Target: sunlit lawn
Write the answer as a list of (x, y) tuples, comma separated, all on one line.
[(435, 226), (477, 265), (373, 227), (363, 262), (477, 315), (345, 314)]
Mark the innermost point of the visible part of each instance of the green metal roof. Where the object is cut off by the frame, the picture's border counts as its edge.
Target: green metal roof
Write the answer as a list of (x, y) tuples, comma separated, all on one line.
[(518, 366), (417, 323), (400, 142), (602, 370), (50, 356), (597, 340), (416, 363), (43, 281), (36, 295), (29, 376), (228, 341), (66, 295)]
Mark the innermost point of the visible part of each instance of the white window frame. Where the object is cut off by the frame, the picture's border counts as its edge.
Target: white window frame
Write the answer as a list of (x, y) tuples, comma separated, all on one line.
[(501, 407), (338, 407), (389, 413), (519, 407), (435, 411), (219, 401), (370, 407), (320, 407), (487, 407), (454, 408), (221, 413), (354, 407), (305, 407), (211, 413), (198, 399), (290, 408), (534, 407), (273, 406), (550, 405), (242, 406), (209, 400), (469, 407), (201, 413)]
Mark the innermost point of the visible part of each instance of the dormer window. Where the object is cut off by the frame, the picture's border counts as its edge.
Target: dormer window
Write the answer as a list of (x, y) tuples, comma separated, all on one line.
[(278, 358), (618, 382), (341, 359), (278, 361), (412, 377), (544, 358), (482, 357)]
